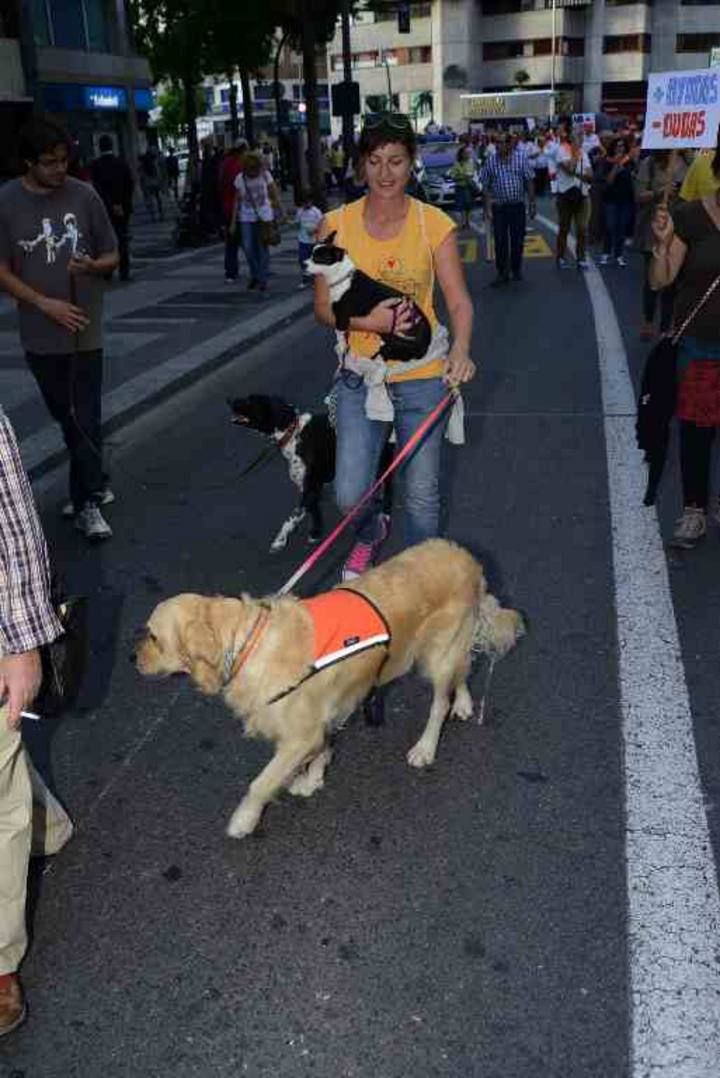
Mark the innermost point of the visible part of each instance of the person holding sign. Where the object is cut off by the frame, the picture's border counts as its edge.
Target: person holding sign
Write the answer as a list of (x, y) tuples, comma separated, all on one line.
[(658, 180), (688, 240)]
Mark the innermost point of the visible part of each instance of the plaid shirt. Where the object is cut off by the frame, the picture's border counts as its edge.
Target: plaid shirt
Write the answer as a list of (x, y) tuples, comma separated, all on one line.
[(27, 617), (506, 180)]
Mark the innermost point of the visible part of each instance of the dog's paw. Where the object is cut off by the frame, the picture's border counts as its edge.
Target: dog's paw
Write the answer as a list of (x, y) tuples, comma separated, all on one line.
[(421, 755), (305, 784), (462, 707), (243, 821)]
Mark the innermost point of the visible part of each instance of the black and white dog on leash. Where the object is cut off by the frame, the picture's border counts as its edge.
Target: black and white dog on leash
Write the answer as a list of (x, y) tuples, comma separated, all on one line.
[(307, 442)]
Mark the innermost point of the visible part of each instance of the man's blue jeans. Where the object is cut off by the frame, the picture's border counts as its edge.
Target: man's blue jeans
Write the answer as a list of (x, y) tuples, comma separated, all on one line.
[(256, 253), (360, 442)]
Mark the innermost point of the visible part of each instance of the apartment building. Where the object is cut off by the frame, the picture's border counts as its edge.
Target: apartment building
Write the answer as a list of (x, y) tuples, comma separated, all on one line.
[(74, 59), (598, 51), (216, 123)]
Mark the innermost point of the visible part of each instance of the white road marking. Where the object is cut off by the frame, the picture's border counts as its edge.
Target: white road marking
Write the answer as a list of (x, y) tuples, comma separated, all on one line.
[(673, 899)]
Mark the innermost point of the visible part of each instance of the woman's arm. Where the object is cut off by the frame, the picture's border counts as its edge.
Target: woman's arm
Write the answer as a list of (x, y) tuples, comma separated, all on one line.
[(449, 271), (668, 252)]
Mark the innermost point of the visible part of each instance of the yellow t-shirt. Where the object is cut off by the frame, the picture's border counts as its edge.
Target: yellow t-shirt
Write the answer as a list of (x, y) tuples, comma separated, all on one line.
[(700, 181), (404, 262)]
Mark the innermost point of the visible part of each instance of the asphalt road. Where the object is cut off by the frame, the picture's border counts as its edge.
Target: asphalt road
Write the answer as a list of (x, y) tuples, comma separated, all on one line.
[(467, 922)]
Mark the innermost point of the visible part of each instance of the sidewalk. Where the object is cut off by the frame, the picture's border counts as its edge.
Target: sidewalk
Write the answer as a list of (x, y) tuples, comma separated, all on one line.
[(173, 322)]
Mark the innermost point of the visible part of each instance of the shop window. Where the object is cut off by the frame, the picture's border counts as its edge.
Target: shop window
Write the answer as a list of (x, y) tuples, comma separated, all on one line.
[(68, 23), (97, 26), (41, 23)]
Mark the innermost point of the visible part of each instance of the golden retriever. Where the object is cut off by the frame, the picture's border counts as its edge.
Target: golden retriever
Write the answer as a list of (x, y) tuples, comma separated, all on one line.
[(435, 602)]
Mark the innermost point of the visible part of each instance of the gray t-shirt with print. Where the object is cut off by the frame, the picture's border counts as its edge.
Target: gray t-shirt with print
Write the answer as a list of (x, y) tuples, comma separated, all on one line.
[(38, 235)]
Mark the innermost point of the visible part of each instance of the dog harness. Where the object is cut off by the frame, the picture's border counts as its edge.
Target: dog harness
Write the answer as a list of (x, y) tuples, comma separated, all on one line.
[(344, 624)]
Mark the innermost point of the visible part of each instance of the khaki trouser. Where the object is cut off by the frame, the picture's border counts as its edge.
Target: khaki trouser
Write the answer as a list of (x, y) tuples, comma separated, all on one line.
[(31, 821)]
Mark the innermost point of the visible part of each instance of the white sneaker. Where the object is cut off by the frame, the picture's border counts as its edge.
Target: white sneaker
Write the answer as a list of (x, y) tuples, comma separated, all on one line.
[(689, 528), (604, 260), (583, 264), (104, 497), (92, 523), (621, 260)]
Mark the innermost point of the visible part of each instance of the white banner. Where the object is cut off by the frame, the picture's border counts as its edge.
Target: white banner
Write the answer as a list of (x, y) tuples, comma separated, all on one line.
[(683, 110)]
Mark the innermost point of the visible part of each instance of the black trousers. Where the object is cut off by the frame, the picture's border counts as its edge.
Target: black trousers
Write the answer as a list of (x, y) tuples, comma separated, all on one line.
[(509, 229), (650, 298), (71, 385), (695, 453), (122, 231)]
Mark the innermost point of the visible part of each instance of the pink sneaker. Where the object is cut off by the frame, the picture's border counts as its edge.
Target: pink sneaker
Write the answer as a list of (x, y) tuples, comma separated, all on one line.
[(362, 556)]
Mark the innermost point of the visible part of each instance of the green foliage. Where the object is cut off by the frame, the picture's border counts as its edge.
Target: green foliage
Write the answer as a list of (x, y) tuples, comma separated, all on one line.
[(173, 117), (521, 77)]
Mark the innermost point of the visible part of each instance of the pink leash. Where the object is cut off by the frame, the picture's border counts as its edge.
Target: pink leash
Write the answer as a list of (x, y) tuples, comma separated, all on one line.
[(328, 541)]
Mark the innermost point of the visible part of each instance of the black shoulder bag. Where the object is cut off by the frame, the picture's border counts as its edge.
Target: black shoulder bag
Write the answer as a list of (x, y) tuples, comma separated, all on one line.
[(63, 660), (658, 399)]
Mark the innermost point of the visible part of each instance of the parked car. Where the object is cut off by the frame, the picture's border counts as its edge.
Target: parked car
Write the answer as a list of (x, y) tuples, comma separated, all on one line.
[(435, 160)]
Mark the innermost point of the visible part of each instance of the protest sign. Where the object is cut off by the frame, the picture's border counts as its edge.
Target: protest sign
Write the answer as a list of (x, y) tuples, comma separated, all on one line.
[(683, 110)]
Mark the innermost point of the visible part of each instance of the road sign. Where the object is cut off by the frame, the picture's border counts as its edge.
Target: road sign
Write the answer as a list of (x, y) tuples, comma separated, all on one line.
[(683, 110)]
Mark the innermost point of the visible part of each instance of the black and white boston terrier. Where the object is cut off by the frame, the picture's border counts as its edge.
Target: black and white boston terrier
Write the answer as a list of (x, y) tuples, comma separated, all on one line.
[(307, 442), (354, 294)]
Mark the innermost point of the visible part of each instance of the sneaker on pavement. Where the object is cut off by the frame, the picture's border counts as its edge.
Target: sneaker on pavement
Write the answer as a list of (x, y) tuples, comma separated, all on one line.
[(604, 260), (102, 497), (362, 556), (621, 260), (583, 264), (92, 523), (689, 528), (12, 1003), (562, 263)]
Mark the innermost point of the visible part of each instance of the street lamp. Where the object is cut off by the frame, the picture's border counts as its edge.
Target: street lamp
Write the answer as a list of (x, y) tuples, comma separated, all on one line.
[(552, 59)]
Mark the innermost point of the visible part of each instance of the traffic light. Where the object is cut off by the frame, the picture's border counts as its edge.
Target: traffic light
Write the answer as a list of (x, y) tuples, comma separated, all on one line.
[(345, 98), (404, 17)]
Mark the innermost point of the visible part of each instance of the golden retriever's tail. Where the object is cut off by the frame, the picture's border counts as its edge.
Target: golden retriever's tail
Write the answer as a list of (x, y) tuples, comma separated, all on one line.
[(497, 629)]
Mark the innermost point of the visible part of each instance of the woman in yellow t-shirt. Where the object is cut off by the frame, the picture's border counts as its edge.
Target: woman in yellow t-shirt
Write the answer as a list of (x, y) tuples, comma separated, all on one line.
[(406, 244)]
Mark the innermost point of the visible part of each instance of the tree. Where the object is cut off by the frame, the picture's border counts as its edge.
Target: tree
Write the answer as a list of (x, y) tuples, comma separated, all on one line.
[(240, 36), (521, 77), (173, 115), (173, 34), (309, 25)]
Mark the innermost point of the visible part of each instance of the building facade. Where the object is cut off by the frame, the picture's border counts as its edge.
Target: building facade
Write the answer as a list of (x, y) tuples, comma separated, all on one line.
[(598, 51), (74, 59)]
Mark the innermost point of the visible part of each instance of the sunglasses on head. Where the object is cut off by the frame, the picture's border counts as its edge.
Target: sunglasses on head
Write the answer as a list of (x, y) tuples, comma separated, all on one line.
[(396, 121)]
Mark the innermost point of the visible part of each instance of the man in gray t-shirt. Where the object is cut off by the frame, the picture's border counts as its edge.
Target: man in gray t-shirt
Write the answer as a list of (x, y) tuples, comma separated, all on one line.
[(56, 248)]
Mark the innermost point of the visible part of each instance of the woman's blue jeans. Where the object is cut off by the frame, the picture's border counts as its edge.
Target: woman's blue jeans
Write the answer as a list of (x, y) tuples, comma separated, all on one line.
[(256, 253), (360, 442)]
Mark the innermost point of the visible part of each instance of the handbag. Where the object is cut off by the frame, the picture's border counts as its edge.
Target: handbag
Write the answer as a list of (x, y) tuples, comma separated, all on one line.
[(64, 660), (269, 230), (658, 399)]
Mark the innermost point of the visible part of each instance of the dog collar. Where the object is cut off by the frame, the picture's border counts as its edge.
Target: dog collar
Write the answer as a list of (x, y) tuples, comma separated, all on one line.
[(288, 434), (243, 653)]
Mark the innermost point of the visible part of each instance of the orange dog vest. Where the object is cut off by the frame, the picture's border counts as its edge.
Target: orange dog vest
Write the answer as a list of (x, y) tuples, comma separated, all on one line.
[(344, 623)]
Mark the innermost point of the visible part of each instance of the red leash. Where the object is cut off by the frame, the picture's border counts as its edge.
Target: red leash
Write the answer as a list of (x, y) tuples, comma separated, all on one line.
[(328, 541)]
